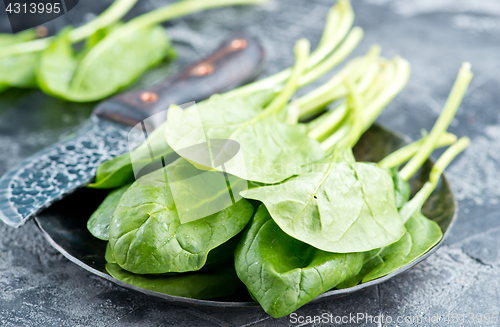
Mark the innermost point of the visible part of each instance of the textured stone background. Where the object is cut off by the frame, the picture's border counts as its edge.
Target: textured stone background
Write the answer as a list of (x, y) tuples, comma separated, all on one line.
[(38, 287)]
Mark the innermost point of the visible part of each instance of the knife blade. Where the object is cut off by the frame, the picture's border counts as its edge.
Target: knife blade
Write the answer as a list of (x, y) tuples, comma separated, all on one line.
[(60, 169)]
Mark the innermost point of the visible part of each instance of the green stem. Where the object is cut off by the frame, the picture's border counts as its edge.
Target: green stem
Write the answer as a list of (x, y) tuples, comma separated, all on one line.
[(112, 14), (186, 7), (444, 120), (314, 101), (375, 105), (425, 192), (346, 48), (374, 109), (355, 102), (405, 153), (346, 15), (301, 51), (330, 121)]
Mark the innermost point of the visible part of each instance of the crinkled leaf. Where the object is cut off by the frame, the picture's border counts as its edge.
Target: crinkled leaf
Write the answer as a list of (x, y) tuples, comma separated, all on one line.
[(422, 234), (146, 234), (344, 206), (17, 70), (98, 224), (282, 273), (106, 66), (271, 149), (219, 256), (206, 284)]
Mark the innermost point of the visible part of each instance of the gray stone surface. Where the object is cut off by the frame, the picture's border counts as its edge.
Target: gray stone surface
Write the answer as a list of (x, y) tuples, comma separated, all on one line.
[(38, 287)]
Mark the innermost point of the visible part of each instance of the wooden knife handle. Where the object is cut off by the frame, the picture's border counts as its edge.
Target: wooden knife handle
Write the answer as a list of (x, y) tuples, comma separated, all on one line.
[(237, 61)]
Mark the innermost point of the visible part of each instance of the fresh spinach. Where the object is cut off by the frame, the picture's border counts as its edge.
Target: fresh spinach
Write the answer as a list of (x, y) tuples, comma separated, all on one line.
[(146, 234), (124, 169), (421, 235), (343, 206), (282, 273), (206, 284), (104, 67), (268, 145), (17, 71), (113, 63), (98, 224)]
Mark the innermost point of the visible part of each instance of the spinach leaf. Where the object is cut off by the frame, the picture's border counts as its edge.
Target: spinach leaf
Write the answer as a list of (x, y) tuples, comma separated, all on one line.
[(344, 206), (206, 284), (271, 149), (421, 235), (220, 256), (17, 70), (402, 190), (98, 224), (146, 234), (123, 169), (104, 67), (114, 173), (282, 273)]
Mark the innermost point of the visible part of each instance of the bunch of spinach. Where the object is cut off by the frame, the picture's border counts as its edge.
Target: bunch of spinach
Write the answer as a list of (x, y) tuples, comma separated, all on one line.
[(330, 222), (114, 56)]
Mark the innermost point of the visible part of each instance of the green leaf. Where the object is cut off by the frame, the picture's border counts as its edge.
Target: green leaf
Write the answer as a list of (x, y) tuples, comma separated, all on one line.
[(220, 256), (206, 284), (106, 65), (422, 234), (17, 70), (282, 273), (114, 173), (119, 171), (402, 189), (343, 206), (98, 224), (146, 234), (271, 150)]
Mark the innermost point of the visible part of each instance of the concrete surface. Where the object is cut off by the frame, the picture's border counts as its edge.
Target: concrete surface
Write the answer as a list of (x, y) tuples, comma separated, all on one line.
[(38, 287)]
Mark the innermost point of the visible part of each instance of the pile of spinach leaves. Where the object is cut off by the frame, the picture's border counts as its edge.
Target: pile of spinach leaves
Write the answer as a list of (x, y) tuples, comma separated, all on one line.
[(113, 56), (317, 220)]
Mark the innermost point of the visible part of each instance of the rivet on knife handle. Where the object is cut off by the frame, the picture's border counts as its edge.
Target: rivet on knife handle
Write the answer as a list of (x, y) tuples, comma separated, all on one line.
[(237, 61)]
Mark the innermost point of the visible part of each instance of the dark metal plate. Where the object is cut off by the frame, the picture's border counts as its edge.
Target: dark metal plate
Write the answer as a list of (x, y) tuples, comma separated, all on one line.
[(64, 225)]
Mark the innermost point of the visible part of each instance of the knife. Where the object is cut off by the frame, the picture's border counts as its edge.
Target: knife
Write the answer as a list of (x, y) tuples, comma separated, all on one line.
[(60, 169)]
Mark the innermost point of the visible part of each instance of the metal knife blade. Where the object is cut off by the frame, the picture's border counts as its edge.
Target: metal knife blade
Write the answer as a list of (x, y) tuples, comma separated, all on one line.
[(57, 171)]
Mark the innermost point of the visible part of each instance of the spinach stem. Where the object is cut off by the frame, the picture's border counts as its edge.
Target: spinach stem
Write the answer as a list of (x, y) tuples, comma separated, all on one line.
[(328, 122), (301, 51), (112, 14), (183, 8), (405, 153), (361, 68), (425, 192), (455, 98), (341, 11), (374, 102)]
